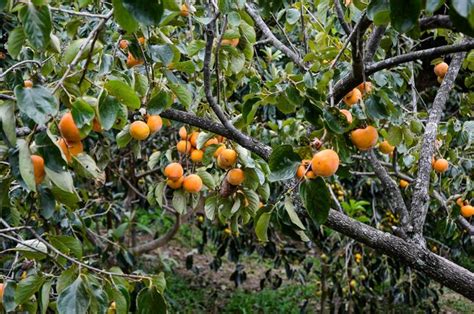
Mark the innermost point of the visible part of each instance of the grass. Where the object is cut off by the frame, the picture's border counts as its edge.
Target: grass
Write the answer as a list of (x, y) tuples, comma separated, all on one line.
[(188, 298)]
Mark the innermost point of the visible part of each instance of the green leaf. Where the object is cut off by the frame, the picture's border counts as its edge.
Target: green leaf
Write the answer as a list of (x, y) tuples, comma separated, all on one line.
[(210, 207), (150, 301), (108, 109), (85, 166), (82, 112), (37, 103), (335, 120), (316, 199), (283, 163), (183, 94), (261, 226), (27, 287), (179, 201), (433, 5), (248, 32), (37, 24), (9, 296), (123, 137), (164, 53), (404, 14), (376, 108), (124, 93), (26, 165), (159, 102), (62, 179), (148, 12), (207, 179), (67, 244), (394, 135), (44, 296), (290, 209), (8, 122), (292, 16), (67, 198), (379, 11), (73, 49), (66, 278), (16, 41), (74, 299), (123, 17)]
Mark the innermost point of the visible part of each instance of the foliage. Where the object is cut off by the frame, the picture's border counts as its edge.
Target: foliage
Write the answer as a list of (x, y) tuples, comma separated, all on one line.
[(73, 240)]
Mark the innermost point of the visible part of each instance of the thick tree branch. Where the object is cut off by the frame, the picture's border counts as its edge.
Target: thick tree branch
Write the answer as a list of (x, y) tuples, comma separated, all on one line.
[(346, 84), (156, 243), (271, 37), (394, 194), (420, 199), (373, 43), (434, 266), (358, 47), (436, 21), (251, 144)]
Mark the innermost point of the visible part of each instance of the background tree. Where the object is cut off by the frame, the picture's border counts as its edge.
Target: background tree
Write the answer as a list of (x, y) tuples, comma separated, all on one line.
[(260, 119)]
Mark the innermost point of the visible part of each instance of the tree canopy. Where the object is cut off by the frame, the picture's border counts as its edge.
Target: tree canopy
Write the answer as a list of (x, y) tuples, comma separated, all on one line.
[(338, 129)]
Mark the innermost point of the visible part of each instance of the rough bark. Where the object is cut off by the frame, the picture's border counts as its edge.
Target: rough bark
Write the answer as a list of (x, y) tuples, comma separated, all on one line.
[(436, 21), (434, 266), (373, 43), (420, 200)]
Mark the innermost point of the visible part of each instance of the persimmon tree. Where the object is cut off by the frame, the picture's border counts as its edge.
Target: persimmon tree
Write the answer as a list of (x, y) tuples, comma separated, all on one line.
[(271, 122)]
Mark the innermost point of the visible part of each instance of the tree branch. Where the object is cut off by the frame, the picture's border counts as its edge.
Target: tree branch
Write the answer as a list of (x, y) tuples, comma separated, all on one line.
[(346, 84), (80, 13), (394, 194), (271, 37), (373, 43), (434, 266), (340, 16), (420, 199), (16, 65), (436, 21)]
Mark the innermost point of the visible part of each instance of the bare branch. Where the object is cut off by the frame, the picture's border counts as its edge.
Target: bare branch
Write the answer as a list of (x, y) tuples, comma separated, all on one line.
[(16, 65), (80, 13), (347, 83), (340, 16), (373, 43), (420, 199), (271, 37), (436, 21)]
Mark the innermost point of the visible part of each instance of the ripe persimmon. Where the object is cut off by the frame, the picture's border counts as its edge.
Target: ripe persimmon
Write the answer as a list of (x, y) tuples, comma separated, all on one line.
[(386, 148), (460, 202), (235, 176), (441, 69), (68, 128), (193, 138), (365, 88), (70, 149), (404, 183), (28, 83), (154, 122), (212, 141), (96, 126), (183, 133), (219, 149), (196, 155), (230, 42), (325, 163), (132, 61), (227, 158), (365, 138), (441, 165), (123, 44), (300, 172), (139, 130), (38, 168), (467, 211), (184, 147), (192, 183), (348, 115), (174, 171), (184, 11), (352, 97), (141, 40), (175, 184), (310, 175)]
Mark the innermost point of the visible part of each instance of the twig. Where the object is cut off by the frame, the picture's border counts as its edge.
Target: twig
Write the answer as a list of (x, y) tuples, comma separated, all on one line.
[(81, 50), (218, 48), (340, 16), (80, 13), (89, 57), (16, 65)]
